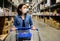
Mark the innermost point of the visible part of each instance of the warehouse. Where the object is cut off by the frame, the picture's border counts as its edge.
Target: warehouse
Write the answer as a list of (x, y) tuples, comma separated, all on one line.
[(45, 16)]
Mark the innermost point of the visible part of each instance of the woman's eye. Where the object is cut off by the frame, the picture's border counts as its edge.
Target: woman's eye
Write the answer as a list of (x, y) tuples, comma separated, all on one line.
[(24, 7)]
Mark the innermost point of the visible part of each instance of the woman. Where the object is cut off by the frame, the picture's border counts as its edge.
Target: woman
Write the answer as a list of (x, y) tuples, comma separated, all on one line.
[(22, 19)]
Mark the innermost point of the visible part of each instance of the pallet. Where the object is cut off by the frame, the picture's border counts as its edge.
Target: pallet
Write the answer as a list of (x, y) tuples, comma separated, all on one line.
[(2, 37), (5, 24)]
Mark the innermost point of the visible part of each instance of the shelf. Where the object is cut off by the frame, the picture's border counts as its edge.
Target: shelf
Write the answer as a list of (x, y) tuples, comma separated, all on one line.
[(57, 18), (57, 5), (53, 21), (47, 15), (5, 24), (9, 3), (35, 5), (42, 2), (12, 4), (6, 16)]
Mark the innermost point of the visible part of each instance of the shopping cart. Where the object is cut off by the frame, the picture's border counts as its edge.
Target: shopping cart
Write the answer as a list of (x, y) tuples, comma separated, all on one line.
[(26, 36)]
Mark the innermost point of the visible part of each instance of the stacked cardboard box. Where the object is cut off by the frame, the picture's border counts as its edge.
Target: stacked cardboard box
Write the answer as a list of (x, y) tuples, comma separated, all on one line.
[(57, 1), (11, 21), (52, 22), (4, 25), (57, 25), (47, 21), (6, 11), (1, 24), (41, 19), (41, 6)]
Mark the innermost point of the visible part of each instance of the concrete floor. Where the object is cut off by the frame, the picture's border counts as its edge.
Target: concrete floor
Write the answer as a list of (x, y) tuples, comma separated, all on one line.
[(46, 33)]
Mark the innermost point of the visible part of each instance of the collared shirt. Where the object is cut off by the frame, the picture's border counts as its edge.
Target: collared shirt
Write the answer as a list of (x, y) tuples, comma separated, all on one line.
[(27, 20)]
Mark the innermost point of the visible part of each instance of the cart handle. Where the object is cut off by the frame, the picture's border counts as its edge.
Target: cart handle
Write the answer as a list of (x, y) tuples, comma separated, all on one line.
[(26, 28), (23, 28)]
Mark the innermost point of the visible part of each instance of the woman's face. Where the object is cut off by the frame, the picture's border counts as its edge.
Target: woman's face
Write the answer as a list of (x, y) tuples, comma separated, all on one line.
[(24, 9)]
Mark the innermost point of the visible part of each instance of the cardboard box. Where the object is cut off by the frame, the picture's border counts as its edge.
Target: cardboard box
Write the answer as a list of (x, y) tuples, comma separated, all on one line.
[(5, 31), (6, 19), (7, 23), (57, 1), (5, 27), (57, 25)]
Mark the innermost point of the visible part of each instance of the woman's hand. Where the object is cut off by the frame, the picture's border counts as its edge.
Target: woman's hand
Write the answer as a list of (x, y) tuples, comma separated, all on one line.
[(13, 28), (33, 28)]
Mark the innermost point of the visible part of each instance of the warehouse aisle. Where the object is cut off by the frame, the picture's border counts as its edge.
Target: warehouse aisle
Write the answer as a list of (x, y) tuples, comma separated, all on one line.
[(47, 33), (45, 15)]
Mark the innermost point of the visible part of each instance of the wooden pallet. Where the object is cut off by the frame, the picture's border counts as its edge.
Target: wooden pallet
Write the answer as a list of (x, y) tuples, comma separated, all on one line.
[(2, 37), (5, 24), (52, 23)]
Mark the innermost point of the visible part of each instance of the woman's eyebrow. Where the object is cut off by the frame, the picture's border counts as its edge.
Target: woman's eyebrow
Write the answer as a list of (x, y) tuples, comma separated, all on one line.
[(25, 7)]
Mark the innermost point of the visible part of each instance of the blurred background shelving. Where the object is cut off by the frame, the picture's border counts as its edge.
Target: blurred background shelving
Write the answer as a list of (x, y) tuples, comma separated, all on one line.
[(8, 9), (47, 11), (43, 6), (6, 17)]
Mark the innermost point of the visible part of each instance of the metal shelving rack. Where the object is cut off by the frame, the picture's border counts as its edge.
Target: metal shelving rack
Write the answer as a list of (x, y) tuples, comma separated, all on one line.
[(6, 20), (49, 9)]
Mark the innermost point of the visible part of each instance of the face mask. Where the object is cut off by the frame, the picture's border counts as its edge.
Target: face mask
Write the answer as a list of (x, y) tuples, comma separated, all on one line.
[(25, 10)]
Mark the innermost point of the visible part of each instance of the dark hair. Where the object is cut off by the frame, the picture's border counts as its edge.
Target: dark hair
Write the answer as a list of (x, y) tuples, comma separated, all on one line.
[(58, 10), (19, 7)]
